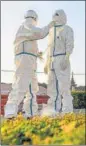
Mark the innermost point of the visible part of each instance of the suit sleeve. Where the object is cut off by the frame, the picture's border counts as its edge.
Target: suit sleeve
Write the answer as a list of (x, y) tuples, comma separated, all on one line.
[(33, 33), (49, 48), (69, 40)]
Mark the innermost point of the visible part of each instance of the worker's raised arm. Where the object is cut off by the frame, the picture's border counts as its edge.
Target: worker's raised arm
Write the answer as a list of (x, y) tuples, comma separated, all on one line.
[(40, 33), (32, 33), (49, 52)]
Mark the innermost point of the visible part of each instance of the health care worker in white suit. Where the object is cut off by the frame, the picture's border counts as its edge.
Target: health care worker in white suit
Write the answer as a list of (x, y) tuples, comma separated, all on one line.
[(60, 47), (26, 53)]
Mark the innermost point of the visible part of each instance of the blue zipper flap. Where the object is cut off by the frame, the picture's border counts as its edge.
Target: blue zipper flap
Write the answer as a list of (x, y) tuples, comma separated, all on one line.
[(55, 55)]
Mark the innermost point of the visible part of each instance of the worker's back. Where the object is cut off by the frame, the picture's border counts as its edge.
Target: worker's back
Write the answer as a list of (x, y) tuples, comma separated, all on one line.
[(24, 44)]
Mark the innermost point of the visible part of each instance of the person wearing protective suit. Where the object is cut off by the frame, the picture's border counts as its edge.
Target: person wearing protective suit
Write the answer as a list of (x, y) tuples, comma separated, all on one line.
[(60, 46), (26, 53)]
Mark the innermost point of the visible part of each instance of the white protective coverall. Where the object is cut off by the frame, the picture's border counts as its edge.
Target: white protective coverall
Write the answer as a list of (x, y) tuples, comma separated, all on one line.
[(61, 43), (25, 83)]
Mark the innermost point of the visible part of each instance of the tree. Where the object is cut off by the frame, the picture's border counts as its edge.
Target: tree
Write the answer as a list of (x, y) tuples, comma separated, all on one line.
[(73, 84)]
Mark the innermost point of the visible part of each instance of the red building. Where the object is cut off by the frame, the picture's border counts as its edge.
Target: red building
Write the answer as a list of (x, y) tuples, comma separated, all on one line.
[(6, 88)]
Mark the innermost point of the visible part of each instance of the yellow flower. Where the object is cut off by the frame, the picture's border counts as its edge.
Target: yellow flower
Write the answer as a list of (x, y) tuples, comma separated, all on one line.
[(47, 140), (27, 134), (25, 143), (69, 127), (68, 123)]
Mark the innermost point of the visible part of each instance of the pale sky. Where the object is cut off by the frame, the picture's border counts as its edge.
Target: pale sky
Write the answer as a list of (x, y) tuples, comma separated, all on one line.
[(12, 14)]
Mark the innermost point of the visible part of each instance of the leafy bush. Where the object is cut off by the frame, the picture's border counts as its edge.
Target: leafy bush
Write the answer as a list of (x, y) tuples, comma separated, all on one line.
[(67, 129), (79, 100)]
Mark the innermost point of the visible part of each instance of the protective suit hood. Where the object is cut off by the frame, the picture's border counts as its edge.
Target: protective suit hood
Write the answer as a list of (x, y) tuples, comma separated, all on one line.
[(30, 18), (31, 13), (60, 17)]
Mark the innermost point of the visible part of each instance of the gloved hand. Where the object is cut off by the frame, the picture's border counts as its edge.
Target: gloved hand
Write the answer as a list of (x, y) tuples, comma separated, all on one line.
[(64, 63), (51, 24), (47, 66), (46, 69), (40, 56)]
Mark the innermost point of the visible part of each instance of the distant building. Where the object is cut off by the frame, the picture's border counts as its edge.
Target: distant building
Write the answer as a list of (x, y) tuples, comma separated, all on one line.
[(74, 85), (6, 88)]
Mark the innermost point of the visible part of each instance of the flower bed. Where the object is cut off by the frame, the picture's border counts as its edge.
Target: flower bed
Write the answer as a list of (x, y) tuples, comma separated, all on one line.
[(68, 129)]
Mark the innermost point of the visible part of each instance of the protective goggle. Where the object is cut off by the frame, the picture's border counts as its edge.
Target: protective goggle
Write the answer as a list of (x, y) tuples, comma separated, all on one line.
[(56, 14), (31, 17)]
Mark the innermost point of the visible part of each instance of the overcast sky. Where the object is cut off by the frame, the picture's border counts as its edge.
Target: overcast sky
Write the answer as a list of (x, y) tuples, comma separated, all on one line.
[(12, 14)]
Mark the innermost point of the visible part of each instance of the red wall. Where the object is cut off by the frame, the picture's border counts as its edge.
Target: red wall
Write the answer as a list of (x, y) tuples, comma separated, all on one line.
[(40, 100), (3, 102)]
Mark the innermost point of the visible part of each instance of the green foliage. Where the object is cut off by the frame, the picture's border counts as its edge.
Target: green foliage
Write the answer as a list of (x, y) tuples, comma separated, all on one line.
[(79, 100), (67, 129)]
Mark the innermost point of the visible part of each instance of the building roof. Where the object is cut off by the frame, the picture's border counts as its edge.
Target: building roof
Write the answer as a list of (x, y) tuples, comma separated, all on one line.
[(6, 88)]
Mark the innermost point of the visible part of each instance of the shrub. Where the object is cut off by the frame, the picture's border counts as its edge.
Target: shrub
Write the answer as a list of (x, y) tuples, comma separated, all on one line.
[(67, 129), (79, 100)]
